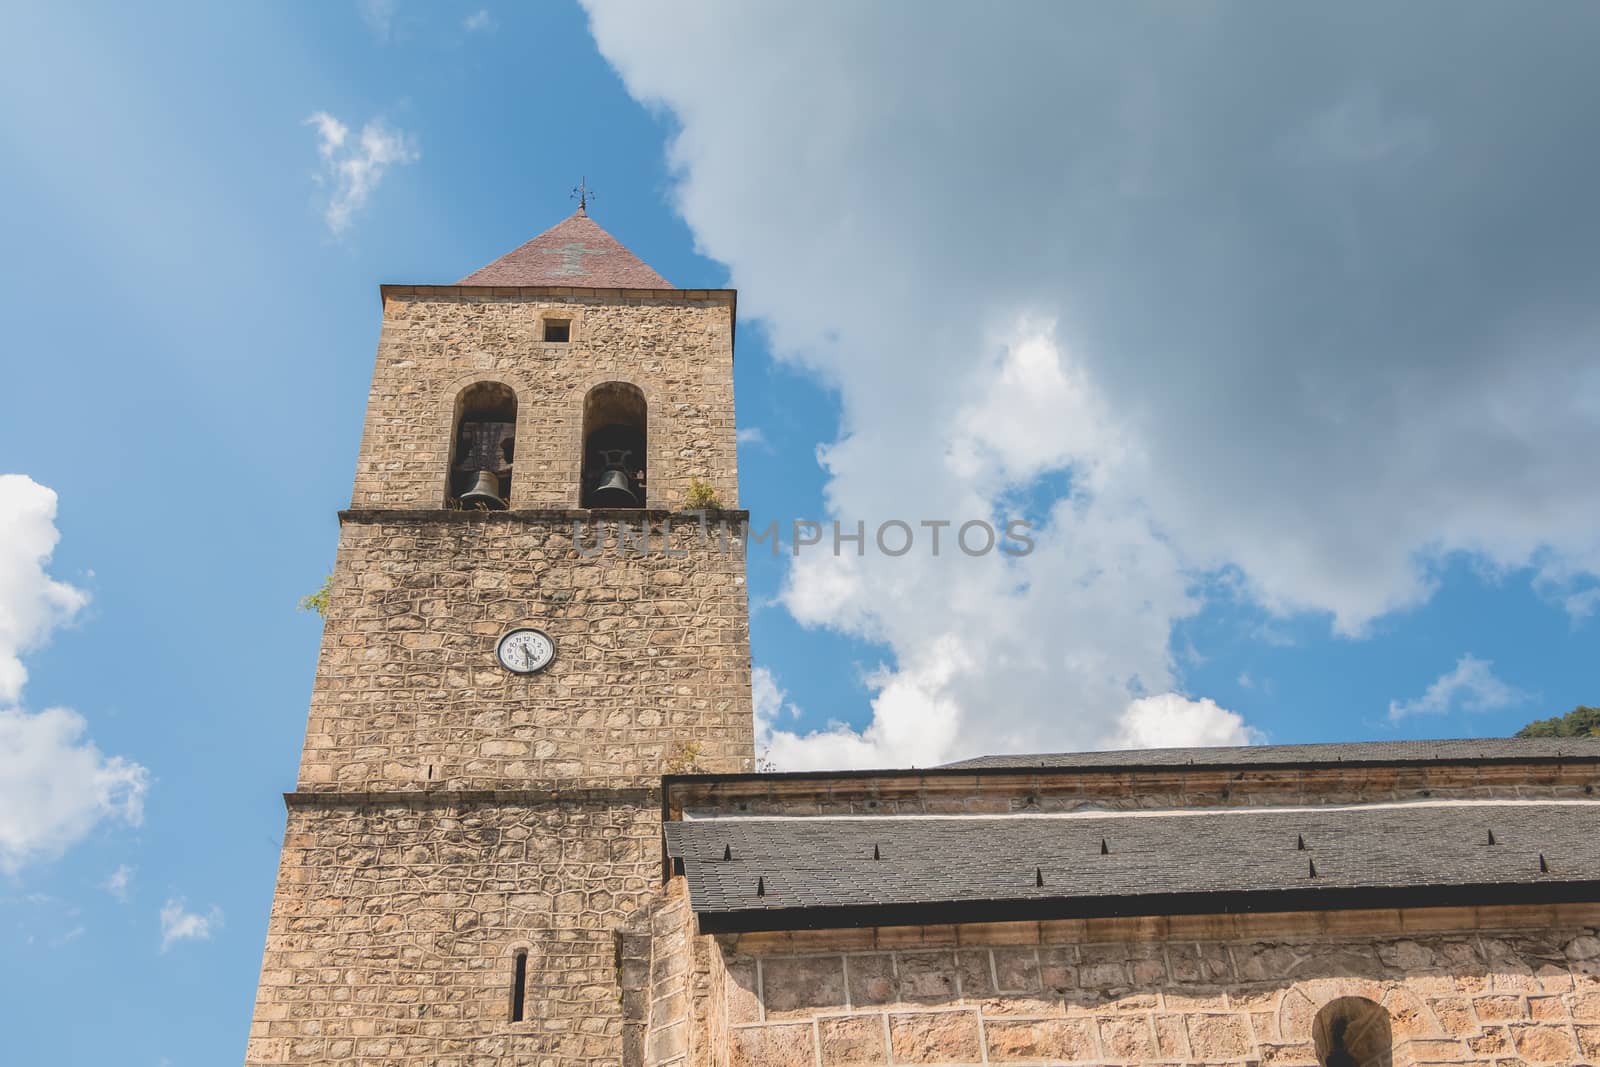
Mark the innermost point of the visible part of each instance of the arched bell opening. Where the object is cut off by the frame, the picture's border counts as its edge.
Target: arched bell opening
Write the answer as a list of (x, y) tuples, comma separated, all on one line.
[(614, 437), (484, 449), (1353, 1032)]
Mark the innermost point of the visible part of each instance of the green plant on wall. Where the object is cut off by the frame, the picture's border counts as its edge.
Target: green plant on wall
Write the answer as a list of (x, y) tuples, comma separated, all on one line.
[(701, 497), (318, 601)]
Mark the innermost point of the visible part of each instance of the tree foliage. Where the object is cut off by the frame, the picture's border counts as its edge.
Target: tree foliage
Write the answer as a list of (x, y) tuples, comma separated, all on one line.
[(1581, 721)]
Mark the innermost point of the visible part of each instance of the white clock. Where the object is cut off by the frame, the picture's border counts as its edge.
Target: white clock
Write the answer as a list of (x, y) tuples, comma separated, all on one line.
[(525, 651)]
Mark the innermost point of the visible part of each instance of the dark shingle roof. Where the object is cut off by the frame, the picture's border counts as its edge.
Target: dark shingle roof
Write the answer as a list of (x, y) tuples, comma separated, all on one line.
[(820, 871), (575, 252), (1457, 750)]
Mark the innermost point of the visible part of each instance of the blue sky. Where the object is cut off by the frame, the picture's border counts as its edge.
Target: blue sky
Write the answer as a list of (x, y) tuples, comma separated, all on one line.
[(1282, 332)]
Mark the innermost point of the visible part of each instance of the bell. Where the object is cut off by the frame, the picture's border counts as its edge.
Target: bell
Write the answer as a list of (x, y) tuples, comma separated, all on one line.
[(613, 491), (485, 494)]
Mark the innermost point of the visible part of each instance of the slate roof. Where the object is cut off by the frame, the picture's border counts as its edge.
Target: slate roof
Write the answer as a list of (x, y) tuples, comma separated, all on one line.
[(1449, 751), (820, 871), (575, 252)]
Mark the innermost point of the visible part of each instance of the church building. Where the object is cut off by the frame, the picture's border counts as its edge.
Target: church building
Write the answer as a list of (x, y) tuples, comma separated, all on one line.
[(527, 829)]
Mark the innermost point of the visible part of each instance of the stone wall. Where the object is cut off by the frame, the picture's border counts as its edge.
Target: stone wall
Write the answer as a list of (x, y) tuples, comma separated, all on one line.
[(652, 666), (395, 926), (1507, 987), (939, 792), (437, 340), (670, 986)]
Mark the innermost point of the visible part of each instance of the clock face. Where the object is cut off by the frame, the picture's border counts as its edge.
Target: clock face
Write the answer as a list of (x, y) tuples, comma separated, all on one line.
[(526, 651)]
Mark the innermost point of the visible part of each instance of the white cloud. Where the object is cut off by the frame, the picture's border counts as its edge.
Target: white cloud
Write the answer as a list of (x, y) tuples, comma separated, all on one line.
[(786, 750), (57, 785), (180, 924), (31, 602), (354, 169), (1173, 721), (119, 881), (1069, 261), (1469, 686), (751, 435), (479, 21), (331, 134), (770, 700)]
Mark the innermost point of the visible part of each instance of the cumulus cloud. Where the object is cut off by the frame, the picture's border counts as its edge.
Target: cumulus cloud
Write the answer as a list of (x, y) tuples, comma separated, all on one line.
[(31, 602), (783, 749), (480, 21), (1470, 685), (352, 169), (57, 785), (1300, 300), (180, 924), (1173, 721)]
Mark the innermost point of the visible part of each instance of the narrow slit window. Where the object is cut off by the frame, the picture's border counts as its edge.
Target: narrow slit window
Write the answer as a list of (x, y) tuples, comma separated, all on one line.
[(519, 985), (558, 330)]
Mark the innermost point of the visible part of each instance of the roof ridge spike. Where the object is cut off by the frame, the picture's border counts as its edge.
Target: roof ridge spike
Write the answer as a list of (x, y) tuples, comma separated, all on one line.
[(1544, 867), (1300, 842), (1038, 876), (1105, 849), (1491, 837), (1312, 867)]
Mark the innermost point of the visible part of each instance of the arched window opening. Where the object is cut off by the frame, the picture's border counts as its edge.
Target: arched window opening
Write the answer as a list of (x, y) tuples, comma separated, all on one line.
[(1353, 1032), (614, 425), (484, 447), (519, 984)]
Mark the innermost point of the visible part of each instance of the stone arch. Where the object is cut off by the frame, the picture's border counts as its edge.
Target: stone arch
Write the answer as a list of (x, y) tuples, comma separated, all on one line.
[(616, 455), (482, 442), (445, 411), (1353, 1032), (568, 441)]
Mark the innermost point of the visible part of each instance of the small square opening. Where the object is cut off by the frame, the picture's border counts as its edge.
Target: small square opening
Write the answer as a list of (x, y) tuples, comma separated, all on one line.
[(558, 330)]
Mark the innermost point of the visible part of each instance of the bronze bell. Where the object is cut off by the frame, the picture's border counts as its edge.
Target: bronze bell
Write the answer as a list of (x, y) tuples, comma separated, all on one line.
[(484, 494), (614, 491)]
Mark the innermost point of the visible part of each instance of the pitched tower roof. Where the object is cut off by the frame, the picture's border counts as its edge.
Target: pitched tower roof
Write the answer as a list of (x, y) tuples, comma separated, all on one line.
[(574, 252)]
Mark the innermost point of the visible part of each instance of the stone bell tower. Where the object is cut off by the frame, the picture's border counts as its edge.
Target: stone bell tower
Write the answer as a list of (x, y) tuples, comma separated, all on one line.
[(478, 808)]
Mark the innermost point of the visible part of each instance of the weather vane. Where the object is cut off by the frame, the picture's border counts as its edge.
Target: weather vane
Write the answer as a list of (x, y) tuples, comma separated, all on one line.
[(582, 193)]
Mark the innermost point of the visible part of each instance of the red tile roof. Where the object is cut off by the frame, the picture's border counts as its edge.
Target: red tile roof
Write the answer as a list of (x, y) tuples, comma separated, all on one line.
[(574, 252)]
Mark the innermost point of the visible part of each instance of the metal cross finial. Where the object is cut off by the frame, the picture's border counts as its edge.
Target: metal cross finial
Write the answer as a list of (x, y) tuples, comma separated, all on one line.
[(583, 193)]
